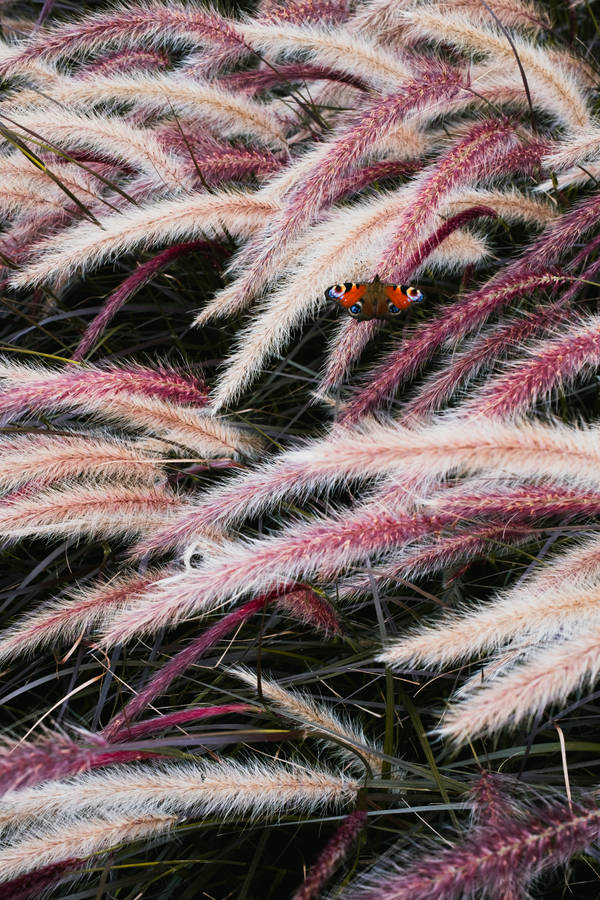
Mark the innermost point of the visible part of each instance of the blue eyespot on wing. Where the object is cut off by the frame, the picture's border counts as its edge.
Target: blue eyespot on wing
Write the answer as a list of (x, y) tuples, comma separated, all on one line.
[(414, 294), (335, 292)]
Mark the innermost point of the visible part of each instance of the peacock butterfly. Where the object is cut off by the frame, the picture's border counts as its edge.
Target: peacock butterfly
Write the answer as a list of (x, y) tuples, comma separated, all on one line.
[(373, 299)]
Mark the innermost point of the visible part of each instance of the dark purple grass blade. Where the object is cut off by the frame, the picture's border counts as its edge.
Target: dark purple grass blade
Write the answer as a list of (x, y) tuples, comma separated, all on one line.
[(264, 79), (160, 682), (138, 278), (44, 13), (452, 224), (185, 716)]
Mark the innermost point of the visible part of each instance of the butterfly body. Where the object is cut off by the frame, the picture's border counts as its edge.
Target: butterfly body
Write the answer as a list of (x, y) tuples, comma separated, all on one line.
[(373, 299)]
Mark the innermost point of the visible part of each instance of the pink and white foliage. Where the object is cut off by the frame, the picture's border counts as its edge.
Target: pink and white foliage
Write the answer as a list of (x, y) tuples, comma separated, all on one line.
[(47, 458), (466, 364), (320, 548), (548, 366), (159, 401), (68, 617), (226, 788), (313, 142), (154, 24), (522, 848), (104, 510)]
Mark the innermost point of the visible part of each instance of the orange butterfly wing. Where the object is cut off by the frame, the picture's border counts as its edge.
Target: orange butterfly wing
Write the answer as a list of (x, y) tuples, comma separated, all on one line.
[(352, 294), (397, 296)]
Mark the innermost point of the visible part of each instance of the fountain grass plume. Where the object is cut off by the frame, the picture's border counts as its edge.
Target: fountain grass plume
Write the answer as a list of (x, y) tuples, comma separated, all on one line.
[(243, 597)]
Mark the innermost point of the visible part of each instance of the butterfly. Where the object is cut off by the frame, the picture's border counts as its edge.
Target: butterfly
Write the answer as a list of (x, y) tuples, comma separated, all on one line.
[(373, 299)]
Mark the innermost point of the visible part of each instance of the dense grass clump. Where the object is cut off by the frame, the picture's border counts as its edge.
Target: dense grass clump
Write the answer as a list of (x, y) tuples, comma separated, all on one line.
[(297, 604)]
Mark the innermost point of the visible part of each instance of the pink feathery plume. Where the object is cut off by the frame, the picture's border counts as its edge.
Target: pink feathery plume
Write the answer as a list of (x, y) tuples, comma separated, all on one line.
[(423, 454), (105, 510), (38, 883), (517, 848), (512, 504), (182, 717), (346, 347), (352, 337), (43, 458), (588, 274), (260, 80), (179, 425), (561, 234), (492, 801), (470, 523), (492, 796), (482, 152), (293, 12), (527, 158), (484, 351), (242, 496), (307, 606), (451, 324), (231, 164), (299, 472), (126, 61), (589, 248), (435, 83), (154, 23), (43, 388), (67, 618), (440, 551), (138, 278), (213, 161), (385, 168), (334, 852), (299, 12), (18, 241), (545, 367), (161, 681), (425, 249), (321, 548), (23, 764)]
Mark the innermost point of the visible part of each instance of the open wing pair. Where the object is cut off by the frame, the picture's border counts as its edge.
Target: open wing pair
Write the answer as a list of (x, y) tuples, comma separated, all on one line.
[(373, 299)]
